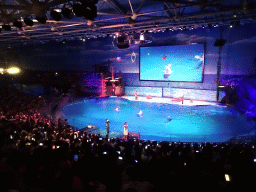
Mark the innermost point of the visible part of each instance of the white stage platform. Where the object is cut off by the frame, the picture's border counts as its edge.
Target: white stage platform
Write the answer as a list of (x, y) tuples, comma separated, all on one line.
[(186, 102)]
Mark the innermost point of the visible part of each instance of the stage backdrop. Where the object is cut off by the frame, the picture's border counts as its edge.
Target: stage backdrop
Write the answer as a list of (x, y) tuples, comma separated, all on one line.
[(236, 57)]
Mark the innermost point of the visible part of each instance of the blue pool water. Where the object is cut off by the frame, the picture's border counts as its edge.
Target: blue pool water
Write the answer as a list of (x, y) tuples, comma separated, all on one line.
[(204, 123)]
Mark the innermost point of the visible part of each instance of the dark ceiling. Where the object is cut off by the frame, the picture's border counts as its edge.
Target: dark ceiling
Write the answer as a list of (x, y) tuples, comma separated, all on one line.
[(99, 18)]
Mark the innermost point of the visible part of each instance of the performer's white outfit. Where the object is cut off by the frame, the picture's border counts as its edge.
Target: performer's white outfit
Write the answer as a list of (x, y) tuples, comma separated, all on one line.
[(126, 129)]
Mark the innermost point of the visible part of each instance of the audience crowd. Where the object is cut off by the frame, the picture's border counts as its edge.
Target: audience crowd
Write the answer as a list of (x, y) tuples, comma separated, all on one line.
[(39, 155)]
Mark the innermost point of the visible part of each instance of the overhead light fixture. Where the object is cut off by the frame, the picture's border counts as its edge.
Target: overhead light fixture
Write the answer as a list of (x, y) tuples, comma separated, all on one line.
[(89, 11), (140, 38), (41, 20), (17, 24), (66, 12), (55, 15), (28, 22), (78, 10), (6, 27)]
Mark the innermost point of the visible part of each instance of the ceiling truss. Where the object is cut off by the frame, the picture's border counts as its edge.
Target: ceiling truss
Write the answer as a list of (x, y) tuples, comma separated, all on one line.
[(122, 16)]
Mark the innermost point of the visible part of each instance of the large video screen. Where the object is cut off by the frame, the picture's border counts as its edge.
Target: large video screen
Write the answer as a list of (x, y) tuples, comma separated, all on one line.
[(172, 63)]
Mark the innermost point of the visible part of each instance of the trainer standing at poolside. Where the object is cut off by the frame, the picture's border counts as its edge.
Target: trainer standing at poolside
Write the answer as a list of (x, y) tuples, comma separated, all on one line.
[(107, 128), (125, 131)]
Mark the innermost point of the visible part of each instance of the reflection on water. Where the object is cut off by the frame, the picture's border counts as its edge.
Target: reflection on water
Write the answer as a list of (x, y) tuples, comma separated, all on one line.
[(189, 123)]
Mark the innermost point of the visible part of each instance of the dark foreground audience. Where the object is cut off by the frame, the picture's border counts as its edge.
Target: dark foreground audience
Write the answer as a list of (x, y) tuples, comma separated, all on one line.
[(37, 155)]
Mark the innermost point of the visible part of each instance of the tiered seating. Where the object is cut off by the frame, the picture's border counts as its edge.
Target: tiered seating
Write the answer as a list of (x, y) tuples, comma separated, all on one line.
[(37, 155)]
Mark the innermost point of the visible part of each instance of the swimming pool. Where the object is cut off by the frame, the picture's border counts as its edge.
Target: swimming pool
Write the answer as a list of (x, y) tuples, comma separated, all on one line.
[(196, 123)]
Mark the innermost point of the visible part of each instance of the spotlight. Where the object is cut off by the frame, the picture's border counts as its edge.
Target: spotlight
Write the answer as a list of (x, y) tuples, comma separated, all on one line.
[(78, 10), (6, 27), (89, 11), (17, 24), (13, 70), (55, 15), (66, 12), (28, 22), (41, 20)]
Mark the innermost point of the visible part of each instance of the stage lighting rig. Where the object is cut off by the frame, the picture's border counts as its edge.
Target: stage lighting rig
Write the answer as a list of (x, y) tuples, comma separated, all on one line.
[(6, 27), (66, 12), (89, 1), (87, 10), (90, 11), (41, 20), (55, 15), (17, 24), (78, 9), (28, 22)]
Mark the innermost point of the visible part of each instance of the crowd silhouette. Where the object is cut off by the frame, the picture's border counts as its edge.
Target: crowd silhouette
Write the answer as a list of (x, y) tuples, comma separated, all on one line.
[(38, 154)]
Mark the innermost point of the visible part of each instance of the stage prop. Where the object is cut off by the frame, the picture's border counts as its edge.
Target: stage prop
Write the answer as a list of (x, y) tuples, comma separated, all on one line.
[(195, 94), (179, 99), (230, 97), (112, 86), (246, 93), (149, 97)]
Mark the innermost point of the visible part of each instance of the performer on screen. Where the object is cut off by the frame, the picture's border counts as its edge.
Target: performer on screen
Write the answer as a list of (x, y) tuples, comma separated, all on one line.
[(167, 71)]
